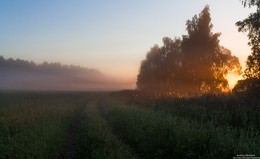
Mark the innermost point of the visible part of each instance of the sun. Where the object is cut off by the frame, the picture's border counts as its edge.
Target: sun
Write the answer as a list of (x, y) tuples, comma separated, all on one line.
[(232, 79)]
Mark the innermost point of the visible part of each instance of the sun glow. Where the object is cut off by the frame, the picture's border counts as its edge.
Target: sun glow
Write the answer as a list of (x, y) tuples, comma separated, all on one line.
[(232, 80)]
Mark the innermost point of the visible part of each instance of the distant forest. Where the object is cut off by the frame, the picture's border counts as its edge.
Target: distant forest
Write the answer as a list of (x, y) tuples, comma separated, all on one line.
[(17, 74)]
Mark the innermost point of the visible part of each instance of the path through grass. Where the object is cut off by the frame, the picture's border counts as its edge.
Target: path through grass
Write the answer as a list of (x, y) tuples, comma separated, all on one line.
[(96, 139), (102, 126)]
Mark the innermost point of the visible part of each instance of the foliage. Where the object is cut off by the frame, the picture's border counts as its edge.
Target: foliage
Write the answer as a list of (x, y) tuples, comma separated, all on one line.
[(252, 25), (250, 2), (196, 64), (157, 72), (249, 87), (204, 60), (185, 128), (127, 125)]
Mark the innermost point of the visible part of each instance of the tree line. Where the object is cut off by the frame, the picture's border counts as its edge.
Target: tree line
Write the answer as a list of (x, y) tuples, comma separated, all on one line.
[(17, 74), (196, 63), (45, 66)]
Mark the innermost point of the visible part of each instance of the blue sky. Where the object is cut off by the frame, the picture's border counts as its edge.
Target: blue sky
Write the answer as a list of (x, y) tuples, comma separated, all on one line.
[(112, 36)]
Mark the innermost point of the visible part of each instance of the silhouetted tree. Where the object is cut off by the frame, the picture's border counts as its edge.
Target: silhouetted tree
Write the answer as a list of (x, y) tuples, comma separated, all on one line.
[(249, 87), (205, 62), (158, 71), (252, 25), (197, 64), (250, 2)]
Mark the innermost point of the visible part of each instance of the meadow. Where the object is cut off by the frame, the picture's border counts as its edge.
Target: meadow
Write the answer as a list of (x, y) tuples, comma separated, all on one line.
[(127, 124)]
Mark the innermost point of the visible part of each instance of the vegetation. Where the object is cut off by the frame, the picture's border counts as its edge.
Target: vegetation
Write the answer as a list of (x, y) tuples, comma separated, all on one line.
[(208, 127), (252, 25), (44, 67), (163, 120), (96, 139), (195, 64), (17, 74), (34, 126), (127, 124), (250, 85)]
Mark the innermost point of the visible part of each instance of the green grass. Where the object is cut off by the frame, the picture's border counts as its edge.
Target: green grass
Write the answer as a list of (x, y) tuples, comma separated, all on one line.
[(38, 125), (226, 110), (155, 133), (96, 139), (34, 126)]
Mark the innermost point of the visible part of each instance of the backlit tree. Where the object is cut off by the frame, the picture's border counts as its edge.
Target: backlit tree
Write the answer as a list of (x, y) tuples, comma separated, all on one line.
[(194, 65)]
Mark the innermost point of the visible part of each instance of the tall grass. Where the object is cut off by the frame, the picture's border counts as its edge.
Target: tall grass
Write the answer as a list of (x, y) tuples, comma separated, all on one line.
[(96, 139), (156, 134), (238, 111), (34, 125), (37, 125)]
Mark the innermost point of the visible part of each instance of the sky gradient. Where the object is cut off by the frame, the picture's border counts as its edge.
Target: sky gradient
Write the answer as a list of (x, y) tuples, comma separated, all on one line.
[(112, 36)]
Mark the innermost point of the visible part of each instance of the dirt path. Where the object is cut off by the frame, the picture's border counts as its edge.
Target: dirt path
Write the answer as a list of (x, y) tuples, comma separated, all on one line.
[(72, 144), (70, 147)]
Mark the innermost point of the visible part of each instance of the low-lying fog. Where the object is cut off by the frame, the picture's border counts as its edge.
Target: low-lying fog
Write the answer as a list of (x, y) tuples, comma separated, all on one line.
[(24, 75)]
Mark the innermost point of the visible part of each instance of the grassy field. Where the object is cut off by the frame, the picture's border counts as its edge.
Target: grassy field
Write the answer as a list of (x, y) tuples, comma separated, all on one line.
[(123, 125)]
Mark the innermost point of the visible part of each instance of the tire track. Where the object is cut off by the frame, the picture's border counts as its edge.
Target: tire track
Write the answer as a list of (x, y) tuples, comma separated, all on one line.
[(70, 147), (101, 111)]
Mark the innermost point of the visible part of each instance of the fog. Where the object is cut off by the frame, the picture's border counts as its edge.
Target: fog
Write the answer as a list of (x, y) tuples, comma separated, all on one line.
[(23, 75)]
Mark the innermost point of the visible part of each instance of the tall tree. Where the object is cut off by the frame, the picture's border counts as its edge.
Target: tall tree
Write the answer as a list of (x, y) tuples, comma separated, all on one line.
[(157, 71), (195, 64), (205, 62), (252, 25)]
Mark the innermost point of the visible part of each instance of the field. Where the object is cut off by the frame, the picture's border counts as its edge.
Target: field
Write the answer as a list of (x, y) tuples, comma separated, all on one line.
[(126, 124)]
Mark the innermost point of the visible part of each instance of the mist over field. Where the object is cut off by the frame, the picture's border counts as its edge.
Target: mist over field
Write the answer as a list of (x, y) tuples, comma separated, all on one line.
[(129, 79), (24, 75)]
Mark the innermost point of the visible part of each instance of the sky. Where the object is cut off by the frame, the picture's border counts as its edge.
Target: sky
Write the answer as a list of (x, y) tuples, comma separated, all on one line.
[(112, 36)]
